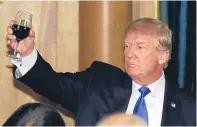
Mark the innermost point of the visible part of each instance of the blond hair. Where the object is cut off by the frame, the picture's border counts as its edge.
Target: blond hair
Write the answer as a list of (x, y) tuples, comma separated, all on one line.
[(157, 28), (121, 119)]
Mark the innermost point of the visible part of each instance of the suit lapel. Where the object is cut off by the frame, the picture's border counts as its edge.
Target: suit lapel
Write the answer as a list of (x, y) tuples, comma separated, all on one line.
[(171, 107)]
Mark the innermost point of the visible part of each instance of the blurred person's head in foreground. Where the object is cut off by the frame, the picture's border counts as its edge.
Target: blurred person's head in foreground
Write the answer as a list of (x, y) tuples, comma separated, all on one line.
[(35, 114), (121, 119)]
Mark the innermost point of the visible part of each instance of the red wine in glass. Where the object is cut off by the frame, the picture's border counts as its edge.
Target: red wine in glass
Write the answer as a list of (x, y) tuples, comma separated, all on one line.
[(21, 32)]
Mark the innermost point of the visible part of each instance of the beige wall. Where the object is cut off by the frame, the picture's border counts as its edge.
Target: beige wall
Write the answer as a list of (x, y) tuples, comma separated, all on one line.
[(102, 34), (56, 27), (57, 38)]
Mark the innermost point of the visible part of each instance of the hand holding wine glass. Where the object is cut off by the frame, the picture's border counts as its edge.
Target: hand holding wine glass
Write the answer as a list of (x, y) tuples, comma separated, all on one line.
[(19, 36)]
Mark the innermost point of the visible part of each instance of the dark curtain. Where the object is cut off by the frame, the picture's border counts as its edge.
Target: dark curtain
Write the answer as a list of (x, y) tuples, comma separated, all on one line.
[(173, 19)]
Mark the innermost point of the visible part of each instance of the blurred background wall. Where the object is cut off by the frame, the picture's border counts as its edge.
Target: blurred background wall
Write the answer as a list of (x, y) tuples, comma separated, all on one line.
[(70, 36), (57, 33)]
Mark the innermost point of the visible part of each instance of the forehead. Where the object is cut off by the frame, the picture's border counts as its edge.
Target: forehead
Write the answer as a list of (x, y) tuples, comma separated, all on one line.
[(135, 36)]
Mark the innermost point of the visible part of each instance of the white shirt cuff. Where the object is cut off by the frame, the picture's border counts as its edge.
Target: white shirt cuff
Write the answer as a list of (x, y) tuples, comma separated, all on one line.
[(26, 64)]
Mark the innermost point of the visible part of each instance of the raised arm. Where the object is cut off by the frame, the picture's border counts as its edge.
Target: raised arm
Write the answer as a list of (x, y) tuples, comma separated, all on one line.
[(66, 89)]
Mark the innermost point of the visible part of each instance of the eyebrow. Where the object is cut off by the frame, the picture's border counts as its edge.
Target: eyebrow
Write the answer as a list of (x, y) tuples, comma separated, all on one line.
[(138, 42), (126, 42), (142, 42)]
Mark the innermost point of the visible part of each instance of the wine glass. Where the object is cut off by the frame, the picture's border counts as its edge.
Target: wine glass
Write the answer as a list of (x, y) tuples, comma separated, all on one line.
[(21, 30)]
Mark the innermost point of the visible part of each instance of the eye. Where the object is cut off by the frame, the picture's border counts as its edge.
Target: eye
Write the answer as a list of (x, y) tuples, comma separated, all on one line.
[(140, 47), (126, 45)]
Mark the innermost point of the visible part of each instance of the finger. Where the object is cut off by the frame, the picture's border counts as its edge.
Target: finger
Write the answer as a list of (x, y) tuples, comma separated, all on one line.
[(8, 46), (13, 44), (12, 22), (10, 37), (32, 34), (9, 42), (9, 30)]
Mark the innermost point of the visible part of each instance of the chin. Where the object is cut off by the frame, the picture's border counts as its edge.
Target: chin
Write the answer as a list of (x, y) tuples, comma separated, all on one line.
[(132, 72)]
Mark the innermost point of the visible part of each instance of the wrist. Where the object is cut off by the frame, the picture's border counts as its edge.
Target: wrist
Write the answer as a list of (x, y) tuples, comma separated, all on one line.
[(27, 53)]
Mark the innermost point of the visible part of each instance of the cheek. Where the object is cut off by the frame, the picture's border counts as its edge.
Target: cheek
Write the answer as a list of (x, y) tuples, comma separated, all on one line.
[(126, 50), (125, 54), (149, 61)]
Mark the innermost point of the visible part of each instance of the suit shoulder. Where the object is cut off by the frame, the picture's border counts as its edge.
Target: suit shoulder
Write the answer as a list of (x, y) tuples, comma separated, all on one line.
[(103, 67)]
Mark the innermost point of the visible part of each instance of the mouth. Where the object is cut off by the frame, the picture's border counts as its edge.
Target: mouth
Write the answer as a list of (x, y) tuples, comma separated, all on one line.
[(131, 65)]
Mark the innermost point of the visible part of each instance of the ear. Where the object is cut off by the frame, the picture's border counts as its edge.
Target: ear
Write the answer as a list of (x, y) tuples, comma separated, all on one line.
[(163, 56)]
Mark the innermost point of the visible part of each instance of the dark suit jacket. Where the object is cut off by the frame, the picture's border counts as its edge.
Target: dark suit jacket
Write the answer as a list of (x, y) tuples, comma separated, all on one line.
[(100, 90)]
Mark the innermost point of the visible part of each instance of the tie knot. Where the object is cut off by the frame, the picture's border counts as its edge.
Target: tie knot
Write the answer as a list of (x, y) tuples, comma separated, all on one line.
[(144, 91)]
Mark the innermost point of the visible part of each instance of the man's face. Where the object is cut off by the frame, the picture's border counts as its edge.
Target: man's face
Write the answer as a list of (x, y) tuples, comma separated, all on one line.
[(141, 55)]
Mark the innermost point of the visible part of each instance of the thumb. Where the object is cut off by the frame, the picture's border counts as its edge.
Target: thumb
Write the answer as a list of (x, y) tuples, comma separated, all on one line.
[(32, 34)]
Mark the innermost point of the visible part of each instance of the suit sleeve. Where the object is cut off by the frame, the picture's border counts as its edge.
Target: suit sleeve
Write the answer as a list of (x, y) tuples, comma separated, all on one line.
[(66, 89)]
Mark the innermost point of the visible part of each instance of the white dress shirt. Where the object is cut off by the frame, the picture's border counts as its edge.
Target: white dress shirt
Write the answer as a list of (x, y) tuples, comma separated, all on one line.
[(26, 64), (154, 101)]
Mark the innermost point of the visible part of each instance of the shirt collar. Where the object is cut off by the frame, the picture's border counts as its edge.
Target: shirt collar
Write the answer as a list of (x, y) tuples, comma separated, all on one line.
[(156, 88)]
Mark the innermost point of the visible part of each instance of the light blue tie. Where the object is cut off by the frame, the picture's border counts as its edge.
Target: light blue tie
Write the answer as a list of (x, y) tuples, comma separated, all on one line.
[(140, 108)]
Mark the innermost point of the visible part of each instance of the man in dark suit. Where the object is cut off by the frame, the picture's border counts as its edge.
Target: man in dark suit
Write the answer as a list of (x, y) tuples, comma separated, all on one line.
[(103, 89)]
